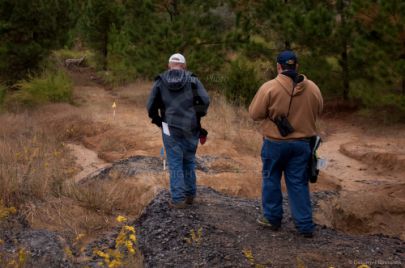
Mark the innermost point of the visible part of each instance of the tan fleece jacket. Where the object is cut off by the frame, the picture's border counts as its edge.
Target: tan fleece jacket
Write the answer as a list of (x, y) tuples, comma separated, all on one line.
[(272, 99)]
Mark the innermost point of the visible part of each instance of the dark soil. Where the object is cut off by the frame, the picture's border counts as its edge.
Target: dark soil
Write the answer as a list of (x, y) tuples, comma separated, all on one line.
[(140, 164), (42, 248), (229, 228)]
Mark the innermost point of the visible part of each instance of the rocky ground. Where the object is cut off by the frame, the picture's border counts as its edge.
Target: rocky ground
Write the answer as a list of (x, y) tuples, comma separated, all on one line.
[(221, 231), (41, 248)]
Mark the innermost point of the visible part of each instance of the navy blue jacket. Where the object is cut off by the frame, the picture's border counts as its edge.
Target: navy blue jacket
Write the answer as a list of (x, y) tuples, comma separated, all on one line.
[(172, 101)]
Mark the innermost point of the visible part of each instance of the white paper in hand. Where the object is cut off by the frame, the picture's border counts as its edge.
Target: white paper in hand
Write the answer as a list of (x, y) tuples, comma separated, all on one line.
[(322, 164), (165, 127)]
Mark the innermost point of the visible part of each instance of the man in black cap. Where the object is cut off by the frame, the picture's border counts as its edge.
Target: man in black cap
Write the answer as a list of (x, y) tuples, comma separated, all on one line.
[(288, 107)]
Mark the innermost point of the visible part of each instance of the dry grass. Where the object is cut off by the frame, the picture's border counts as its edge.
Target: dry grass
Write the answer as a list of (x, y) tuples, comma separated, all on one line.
[(232, 136), (36, 171), (125, 196), (232, 123), (33, 164), (68, 123), (136, 93), (224, 121), (67, 216)]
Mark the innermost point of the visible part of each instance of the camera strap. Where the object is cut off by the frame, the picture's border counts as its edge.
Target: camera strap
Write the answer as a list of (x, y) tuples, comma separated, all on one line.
[(291, 98), (289, 105), (284, 126)]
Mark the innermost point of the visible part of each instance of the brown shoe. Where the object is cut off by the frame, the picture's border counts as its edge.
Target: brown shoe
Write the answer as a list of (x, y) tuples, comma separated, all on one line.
[(178, 205), (189, 200), (265, 223)]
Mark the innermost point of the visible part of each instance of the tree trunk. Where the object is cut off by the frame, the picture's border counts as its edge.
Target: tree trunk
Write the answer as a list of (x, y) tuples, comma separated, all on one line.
[(173, 10), (287, 43), (345, 72), (105, 50), (403, 86), (344, 58)]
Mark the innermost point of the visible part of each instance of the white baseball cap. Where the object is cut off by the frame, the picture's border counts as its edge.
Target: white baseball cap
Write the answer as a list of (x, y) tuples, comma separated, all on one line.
[(177, 58)]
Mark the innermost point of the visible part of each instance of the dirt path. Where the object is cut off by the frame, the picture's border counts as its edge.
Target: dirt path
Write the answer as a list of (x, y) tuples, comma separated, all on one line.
[(356, 173), (367, 164), (88, 161), (347, 172)]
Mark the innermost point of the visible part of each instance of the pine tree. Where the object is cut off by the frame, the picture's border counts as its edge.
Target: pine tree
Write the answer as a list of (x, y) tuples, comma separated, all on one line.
[(100, 18), (305, 26), (158, 29), (379, 50), (28, 31)]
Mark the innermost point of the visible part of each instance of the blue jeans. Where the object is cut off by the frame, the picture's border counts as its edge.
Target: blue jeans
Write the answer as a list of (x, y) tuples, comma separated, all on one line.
[(290, 157), (180, 152)]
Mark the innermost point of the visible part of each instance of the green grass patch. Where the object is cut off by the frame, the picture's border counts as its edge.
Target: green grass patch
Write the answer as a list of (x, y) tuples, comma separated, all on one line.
[(62, 54), (241, 83), (50, 86), (383, 105), (120, 71)]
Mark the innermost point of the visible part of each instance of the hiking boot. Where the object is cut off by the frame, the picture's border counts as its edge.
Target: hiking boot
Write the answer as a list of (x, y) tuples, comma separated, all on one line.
[(265, 223), (189, 200), (178, 205)]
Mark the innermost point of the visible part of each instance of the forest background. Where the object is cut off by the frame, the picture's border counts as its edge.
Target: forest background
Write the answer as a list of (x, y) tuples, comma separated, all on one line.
[(353, 49)]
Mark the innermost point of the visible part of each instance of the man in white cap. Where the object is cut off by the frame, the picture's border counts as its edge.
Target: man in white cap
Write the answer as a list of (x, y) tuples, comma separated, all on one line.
[(177, 59), (176, 104)]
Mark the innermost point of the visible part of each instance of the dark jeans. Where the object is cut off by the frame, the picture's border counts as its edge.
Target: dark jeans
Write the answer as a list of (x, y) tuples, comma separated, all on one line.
[(290, 157), (180, 153)]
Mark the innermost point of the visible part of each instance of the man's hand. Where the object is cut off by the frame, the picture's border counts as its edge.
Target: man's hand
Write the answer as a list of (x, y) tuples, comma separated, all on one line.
[(203, 140), (203, 136)]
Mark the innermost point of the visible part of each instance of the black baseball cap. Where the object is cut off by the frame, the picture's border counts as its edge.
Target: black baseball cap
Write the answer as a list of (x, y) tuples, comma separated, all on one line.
[(287, 58)]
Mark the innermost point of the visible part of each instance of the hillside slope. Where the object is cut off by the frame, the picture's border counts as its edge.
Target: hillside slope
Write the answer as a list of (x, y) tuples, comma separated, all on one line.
[(221, 231), (118, 171)]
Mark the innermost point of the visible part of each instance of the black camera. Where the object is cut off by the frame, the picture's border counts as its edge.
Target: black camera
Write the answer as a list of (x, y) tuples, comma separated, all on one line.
[(283, 125)]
